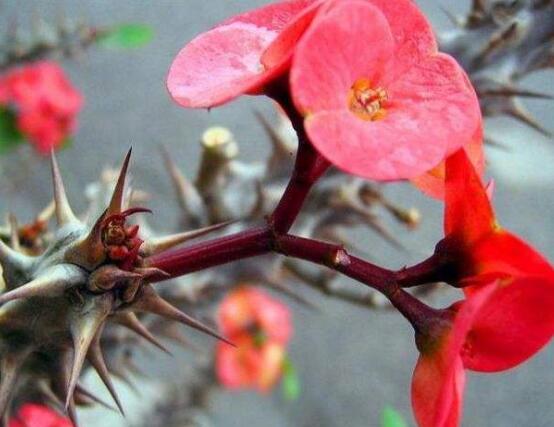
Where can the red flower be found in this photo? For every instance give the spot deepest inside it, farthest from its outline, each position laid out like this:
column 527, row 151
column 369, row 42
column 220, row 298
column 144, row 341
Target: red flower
column 45, row 103
column 239, row 56
column 32, row 415
column 475, row 244
column 261, row 328
column 499, row 326
column 379, row 100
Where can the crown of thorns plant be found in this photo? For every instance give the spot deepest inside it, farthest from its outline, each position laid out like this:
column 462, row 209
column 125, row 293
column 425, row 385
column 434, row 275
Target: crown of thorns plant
column 64, row 291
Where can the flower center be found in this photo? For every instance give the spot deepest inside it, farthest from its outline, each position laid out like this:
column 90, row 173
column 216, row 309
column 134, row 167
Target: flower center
column 367, row 102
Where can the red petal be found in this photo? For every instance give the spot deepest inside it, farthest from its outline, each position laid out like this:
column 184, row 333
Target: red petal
column 468, row 211
column 506, row 254
column 514, row 322
column 437, row 392
column 225, row 62
column 349, row 42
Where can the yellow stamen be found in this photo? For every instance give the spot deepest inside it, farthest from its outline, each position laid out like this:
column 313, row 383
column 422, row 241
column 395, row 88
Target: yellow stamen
column 367, row 102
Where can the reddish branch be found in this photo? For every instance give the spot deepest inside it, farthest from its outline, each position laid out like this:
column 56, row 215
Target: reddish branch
column 274, row 237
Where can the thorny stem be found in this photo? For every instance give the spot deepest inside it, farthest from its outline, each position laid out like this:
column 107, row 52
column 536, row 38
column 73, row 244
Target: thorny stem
column 274, row 237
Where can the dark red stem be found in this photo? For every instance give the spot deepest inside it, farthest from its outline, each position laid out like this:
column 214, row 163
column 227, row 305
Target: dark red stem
column 211, row 253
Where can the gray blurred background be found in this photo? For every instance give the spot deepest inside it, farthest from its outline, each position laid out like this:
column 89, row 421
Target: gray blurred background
column 352, row 362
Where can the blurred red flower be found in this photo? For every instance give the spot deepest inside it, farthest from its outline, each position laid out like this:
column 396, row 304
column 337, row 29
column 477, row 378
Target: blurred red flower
column 242, row 55
column 44, row 101
column 260, row 326
column 32, row 415
column 379, row 100
column 497, row 327
column 507, row 315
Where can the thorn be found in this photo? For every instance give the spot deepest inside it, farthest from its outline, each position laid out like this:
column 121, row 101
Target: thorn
column 287, row 291
column 118, row 195
column 496, row 41
column 156, row 245
column 497, row 144
column 187, row 195
column 147, row 273
column 451, row 17
column 89, row 252
column 64, row 214
column 84, row 326
column 53, row 282
column 172, row 332
column 9, row 370
column 519, row 113
column 149, row 301
column 281, row 150
column 86, row 393
column 131, row 321
column 11, row 257
column 514, row 91
column 72, row 412
column 47, row 213
column 14, row 233
column 96, row 359
column 106, row 277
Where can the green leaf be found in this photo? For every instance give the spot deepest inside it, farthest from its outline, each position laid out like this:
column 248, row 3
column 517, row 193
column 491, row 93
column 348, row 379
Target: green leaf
column 391, row 418
column 10, row 136
column 291, row 383
column 126, row 36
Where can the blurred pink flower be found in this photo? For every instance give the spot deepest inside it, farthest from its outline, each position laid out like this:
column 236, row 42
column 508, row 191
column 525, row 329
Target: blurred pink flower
column 260, row 327
column 32, row 415
column 44, row 101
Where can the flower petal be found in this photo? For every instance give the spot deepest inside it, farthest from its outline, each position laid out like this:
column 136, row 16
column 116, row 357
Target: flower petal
column 433, row 183
column 437, row 392
column 225, row 62
column 468, row 211
column 504, row 253
column 397, row 147
column 350, row 41
column 514, row 322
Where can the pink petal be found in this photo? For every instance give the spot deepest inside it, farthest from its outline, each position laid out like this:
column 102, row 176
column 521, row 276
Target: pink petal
column 439, row 89
column 433, row 182
column 397, row 147
column 225, row 62
column 350, row 41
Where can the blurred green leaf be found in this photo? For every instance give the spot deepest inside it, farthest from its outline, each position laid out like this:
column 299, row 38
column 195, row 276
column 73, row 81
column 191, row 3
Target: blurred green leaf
column 126, row 36
column 391, row 418
column 9, row 135
column 291, row 382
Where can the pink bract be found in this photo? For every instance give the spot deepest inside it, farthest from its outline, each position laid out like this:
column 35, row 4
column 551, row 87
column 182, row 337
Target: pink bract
column 239, row 56
column 379, row 100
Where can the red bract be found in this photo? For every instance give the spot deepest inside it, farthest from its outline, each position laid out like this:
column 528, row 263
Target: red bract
column 31, row 415
column 44, row 101
column 499, row 326
column 239, row 56
column 379, row 100
column 260, row 327
column 474, row 242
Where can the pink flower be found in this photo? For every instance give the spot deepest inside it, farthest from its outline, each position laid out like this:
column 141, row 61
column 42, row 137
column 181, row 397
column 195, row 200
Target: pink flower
column 379, row 101
column 260, row 327
column 32, row 415
column 242, row 55
column 44, row 101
